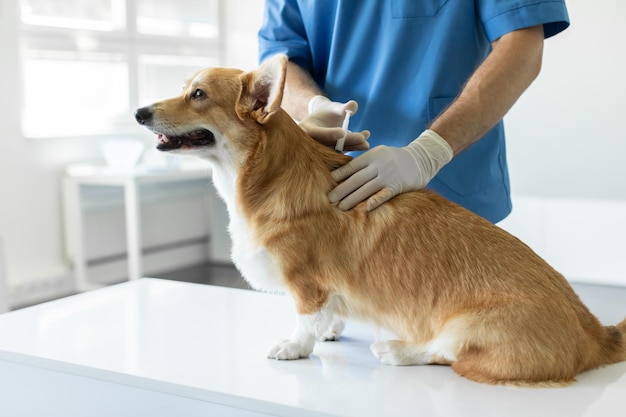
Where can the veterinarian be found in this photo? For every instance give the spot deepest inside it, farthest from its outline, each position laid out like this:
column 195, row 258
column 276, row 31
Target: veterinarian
column 442, row 71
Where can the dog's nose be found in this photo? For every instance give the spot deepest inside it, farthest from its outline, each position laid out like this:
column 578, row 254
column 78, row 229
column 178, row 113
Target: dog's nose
column 143, row 115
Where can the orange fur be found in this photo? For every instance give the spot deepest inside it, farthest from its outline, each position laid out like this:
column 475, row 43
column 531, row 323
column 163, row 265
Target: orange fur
column 455, row 288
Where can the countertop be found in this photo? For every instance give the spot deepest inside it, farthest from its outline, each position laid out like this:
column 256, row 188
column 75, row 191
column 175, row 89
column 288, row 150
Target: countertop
column 208, row 344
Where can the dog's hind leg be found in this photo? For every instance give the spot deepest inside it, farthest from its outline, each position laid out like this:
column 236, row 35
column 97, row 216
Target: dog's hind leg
column 521, row 345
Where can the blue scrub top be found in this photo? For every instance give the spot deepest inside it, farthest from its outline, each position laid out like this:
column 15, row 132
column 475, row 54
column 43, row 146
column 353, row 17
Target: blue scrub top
column 404, row 62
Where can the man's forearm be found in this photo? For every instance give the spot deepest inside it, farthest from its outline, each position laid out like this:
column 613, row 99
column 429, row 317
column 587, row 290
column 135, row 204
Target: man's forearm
column 299, row 89
column 491, row 91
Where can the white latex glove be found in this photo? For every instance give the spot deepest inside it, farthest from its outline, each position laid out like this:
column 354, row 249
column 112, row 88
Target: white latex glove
column 384, row 172
column 324, row 124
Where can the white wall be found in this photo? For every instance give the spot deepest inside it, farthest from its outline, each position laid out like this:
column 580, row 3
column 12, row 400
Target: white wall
column 566, row 136
column 566, row 147
column 242, row 19
column 566, row 139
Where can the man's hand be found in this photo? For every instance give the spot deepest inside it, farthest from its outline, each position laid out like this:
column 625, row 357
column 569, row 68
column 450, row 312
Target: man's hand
column 384, row 172
column 324, row 124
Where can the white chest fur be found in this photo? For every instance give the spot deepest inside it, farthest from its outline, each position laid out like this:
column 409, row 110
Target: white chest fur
column 252, row 260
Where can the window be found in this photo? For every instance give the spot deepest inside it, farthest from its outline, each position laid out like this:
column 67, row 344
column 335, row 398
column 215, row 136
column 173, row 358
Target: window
column 87, row 64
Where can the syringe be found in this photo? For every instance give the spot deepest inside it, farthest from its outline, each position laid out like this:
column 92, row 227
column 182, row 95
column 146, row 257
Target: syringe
column 344, row 126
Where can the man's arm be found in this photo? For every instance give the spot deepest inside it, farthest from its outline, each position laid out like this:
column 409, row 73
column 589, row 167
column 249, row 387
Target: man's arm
column 378, row 175
column 512, row 65
column 300, row 88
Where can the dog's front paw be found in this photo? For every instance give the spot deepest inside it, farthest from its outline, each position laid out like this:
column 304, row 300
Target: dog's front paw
column 287, row 349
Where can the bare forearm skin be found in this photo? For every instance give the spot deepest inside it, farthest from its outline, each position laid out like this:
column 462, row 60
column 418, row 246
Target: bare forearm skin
column 493, row 89
column 300, row 88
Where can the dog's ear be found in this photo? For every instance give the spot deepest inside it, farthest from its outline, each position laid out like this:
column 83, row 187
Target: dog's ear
column 262, row 90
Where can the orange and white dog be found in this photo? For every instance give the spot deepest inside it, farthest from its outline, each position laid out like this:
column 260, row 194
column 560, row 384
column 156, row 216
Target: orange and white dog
column 455, row 288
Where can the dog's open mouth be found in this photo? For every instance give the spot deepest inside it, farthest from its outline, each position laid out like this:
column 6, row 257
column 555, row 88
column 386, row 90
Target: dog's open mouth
column 193, row 139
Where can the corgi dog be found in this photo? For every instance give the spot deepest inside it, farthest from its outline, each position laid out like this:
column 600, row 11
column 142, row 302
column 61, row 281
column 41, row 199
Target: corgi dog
column 454, row 288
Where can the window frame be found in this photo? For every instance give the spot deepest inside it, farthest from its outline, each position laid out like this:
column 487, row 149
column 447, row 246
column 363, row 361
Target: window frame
column 124, row 40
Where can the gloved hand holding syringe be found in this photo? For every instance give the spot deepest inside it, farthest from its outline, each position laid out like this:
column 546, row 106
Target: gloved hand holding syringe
column 324, row 124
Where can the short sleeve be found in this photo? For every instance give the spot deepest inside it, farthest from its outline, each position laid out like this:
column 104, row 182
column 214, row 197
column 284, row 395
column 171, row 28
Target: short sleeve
column 283, row 32
column 503, row 16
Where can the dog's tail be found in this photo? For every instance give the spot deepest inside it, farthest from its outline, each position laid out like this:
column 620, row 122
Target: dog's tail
column 614, row 344
column 622, row 326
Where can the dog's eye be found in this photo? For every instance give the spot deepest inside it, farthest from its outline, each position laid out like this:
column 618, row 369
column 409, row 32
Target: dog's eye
column 198, row 94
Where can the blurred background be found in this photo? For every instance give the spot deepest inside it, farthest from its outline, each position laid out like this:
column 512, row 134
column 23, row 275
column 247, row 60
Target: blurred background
column 73, row 71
